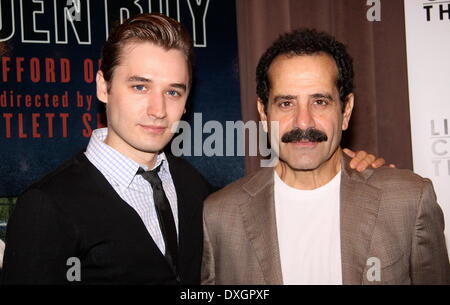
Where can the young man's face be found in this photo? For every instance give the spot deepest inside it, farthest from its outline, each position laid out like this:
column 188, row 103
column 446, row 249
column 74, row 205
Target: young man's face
column 148, row 93
column 303, row 95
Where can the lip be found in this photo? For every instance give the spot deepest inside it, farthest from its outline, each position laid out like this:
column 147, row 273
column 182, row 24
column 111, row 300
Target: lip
column 154, row 128
column 304, row 144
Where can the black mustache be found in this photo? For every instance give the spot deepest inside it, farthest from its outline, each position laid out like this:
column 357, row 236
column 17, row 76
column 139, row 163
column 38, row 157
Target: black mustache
column 310, row 134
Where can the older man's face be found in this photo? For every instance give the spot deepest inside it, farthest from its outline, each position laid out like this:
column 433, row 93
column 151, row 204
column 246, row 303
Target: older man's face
column 305, row 101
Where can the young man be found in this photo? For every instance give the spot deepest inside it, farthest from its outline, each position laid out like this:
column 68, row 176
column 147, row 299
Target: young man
column 123, row 211
column 98, row 207
column 312, row 220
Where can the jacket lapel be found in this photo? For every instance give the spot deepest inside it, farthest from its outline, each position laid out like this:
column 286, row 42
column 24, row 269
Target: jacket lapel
column 359, row 210
column 260, row 224
column 358, row 213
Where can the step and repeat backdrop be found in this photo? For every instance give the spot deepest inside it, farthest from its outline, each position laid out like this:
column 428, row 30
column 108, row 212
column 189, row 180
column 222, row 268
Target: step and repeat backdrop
column 428, row 51
column 47, row 81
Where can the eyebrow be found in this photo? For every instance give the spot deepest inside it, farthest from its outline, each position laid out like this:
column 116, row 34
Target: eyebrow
column 135, row 78
column 294, row 97
column 179, row 86
column 322, row 95
column 284, row 97
column 141, row 79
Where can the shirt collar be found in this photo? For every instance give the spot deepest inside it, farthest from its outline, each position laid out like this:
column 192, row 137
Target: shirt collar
column 114, row 164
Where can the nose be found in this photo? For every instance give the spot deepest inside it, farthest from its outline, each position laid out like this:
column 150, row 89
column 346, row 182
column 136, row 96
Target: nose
column 304, row 117
column 156, row 106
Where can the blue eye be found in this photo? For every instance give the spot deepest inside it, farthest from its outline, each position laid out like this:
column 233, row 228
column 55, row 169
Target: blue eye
column 139, row 87
column 173, row 93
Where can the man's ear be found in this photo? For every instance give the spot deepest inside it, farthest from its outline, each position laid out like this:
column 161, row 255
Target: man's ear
column 262, row 113
column 102, row 88
column 348, row 111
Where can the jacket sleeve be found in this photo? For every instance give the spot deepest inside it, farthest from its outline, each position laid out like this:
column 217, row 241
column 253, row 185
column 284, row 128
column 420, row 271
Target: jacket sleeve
column 208, row 267
column 39, row 242
column 429, row 257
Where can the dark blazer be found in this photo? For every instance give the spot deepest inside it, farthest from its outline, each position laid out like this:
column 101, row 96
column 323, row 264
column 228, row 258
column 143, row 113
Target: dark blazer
column 75, row 212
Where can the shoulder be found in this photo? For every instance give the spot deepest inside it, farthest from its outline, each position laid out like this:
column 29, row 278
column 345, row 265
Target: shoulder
column 384, row 178
column 393, row 179
column 71, row 180
column 184, row 172
column 232, row 190
column 241, row 190
column 47, row 198
column 68, row 175
column 177, row 164
column 402, row 192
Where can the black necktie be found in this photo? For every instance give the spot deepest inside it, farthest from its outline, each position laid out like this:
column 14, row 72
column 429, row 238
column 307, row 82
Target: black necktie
column 165, row 216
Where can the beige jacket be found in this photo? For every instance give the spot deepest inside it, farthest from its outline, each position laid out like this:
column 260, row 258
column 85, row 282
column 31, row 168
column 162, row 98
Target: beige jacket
column 386, row 213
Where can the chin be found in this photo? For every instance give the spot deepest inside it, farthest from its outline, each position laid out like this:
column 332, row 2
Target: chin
column 151, row 144
column 149, row 148
column 304, row 165
column 304, row 161
column 154, row 149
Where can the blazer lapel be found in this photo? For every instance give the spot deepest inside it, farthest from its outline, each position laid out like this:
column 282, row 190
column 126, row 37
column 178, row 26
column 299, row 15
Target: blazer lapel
column 358, row 213
column 260, row 224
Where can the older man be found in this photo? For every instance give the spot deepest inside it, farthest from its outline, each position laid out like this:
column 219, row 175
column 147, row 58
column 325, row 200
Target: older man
column 311, row 219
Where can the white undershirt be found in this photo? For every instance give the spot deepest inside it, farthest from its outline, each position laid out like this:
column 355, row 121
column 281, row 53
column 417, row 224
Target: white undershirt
column 308, row 229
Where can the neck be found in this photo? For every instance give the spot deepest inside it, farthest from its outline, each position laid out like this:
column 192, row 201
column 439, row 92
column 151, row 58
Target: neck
column 310, row 179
